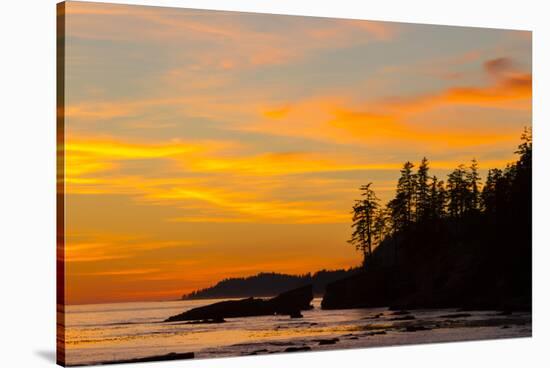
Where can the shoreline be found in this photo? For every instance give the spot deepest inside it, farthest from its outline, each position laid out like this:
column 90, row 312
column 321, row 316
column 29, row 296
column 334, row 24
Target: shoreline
column 446, row 326
column 318, row 330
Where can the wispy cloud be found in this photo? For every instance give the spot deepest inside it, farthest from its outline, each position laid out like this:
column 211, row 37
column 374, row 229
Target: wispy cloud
column 118, row 272
column 111, row 247
column 333, row 118
column 240, row 44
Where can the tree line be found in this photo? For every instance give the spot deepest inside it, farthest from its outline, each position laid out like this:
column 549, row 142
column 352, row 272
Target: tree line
column 422, row 199
column 268, row 284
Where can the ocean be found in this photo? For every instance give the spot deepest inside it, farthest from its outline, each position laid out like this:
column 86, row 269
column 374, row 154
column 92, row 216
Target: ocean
column 103, row 333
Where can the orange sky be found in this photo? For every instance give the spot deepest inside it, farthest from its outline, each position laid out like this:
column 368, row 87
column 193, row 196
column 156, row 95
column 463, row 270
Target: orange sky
column 202, row 145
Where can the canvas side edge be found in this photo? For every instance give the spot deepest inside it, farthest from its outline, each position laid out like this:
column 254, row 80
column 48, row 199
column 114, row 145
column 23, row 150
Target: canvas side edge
column 60, row 184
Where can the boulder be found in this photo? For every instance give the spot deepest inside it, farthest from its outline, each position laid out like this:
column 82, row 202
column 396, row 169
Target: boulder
column 260, row 351
column 456, row 315
column 293, row 349
column 206, row 321
column 416, row 328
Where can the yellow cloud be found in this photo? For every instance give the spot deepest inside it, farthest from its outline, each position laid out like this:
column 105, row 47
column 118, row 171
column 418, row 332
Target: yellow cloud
column 123, row 272
column 247, row 191
column 122, row 150
column 276, row 113
column 89, row 252
column 108, row 247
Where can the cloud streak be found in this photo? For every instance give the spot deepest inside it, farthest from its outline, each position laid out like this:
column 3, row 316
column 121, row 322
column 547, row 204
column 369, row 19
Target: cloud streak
column 386, row 119
column 240, row 43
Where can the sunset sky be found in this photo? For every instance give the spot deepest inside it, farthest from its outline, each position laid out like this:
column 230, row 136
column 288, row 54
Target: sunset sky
column 202, row 145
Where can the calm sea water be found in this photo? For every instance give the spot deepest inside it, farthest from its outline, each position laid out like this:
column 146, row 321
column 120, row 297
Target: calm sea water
column 110, row 332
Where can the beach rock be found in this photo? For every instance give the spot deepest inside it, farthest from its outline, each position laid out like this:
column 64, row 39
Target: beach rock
column 361, row 290
column 504, row 313
column 206, row 321
column 403, row 318
column 155, row 358
column 400, row 313
column 287, row 303
column 260, row 351
column 292, row 301
column 376, row 316
column 280, row 343
column 456, row 315
column 372, row 333
column 293, row 349
column 416, row 328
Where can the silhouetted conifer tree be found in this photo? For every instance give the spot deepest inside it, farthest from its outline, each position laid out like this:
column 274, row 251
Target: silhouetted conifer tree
column 473, row 183
column 382, row 223
column 489, row 194
column 423, row 203
column 437, row 198
column 364, row 214
column 458, row 192
column 403, row 205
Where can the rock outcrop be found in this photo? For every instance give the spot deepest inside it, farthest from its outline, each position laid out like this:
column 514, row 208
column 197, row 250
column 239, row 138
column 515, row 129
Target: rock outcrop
column 287, row 303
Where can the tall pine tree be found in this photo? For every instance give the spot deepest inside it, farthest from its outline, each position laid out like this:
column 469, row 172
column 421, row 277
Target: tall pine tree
column 458, row 192
column 403, row 205
column 364, row 214
column 422, row 191
column 473, row 183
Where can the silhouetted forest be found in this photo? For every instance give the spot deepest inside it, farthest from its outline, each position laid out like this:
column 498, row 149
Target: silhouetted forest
column 268, row 284
column 445, row 243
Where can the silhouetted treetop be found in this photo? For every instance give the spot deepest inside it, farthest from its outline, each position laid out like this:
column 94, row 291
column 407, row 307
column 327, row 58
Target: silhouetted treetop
column 421, row 199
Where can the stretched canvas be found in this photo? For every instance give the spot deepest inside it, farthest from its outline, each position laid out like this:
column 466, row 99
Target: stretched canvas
column 236, row 184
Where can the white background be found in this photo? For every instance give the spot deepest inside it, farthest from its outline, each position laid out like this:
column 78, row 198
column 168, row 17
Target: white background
column 27, row 181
